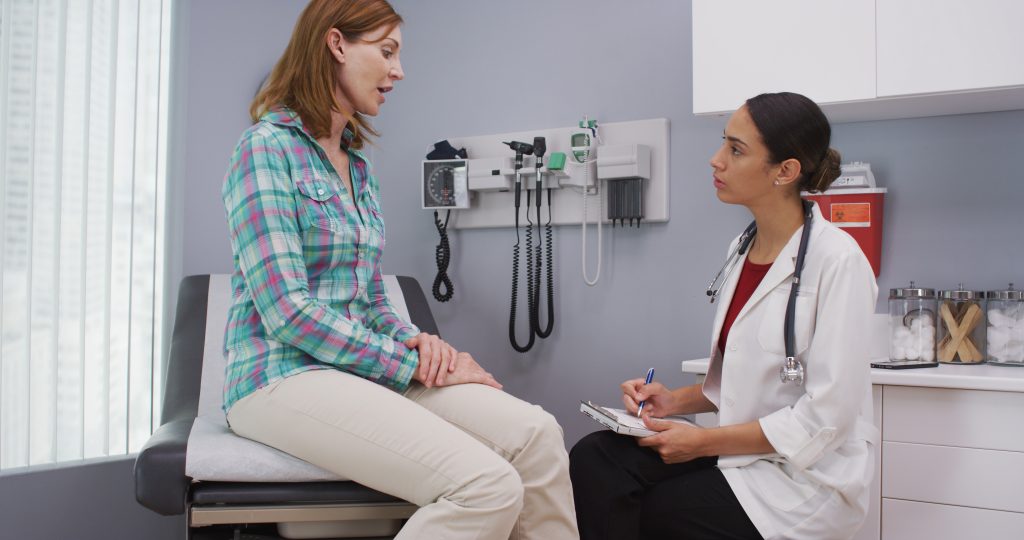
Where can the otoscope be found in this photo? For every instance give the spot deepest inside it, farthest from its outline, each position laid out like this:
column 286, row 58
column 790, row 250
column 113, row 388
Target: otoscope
column 521, row 149
column 539, row 147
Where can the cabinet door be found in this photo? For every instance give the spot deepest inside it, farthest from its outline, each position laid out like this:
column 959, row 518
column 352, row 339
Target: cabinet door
column 824, row 49
column 909, row 519
column 926, row 46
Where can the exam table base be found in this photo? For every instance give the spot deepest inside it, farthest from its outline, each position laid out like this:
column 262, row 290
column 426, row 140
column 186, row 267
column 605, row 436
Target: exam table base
column 310, row 521
column 203, row 516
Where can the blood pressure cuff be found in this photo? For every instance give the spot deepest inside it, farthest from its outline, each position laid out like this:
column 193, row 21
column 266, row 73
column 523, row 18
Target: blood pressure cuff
column 445, row 150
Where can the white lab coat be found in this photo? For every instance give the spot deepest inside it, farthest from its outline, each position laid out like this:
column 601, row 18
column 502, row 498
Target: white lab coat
column 817, row 484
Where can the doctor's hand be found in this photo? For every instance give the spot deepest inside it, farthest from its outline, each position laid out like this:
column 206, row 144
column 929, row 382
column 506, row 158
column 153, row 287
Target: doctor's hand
column 437, row 359
column 674, row 442
column 660, row 401
column 468, row 371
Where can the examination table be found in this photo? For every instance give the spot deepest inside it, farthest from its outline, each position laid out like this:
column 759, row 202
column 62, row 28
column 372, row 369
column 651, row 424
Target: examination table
column 194, row 464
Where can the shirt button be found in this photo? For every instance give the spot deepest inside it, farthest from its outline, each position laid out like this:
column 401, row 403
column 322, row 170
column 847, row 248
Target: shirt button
column 320, row 191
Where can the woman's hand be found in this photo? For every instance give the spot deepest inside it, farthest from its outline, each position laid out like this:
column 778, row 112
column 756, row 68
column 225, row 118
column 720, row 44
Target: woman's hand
column 437, row 359
column 468, row 371
column 660, row 401
column 674, row 442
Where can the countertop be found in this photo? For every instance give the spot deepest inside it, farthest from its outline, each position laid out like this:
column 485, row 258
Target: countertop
column 966, row 377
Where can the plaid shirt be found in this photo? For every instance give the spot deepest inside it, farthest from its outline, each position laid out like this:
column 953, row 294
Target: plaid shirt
column 307, row 289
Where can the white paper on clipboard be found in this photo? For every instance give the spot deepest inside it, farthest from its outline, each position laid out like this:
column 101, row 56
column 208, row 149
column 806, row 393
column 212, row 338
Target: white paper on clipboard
column 620, row 421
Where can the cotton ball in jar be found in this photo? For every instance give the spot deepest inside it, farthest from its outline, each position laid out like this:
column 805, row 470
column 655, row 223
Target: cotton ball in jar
column 997, row 337
column 997, row 319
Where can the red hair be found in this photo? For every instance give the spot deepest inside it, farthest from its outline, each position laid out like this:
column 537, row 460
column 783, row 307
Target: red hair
column 303, row 79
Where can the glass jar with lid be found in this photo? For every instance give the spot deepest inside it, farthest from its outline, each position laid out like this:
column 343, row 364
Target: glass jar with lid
column 1006, row 327
column 912, row 323
column 961, row 326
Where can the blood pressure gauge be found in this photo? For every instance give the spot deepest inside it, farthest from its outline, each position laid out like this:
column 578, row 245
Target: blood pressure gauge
column 445, row 184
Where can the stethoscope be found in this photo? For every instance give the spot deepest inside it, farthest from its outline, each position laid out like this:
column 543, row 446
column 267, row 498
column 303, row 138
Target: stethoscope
column 792, row 369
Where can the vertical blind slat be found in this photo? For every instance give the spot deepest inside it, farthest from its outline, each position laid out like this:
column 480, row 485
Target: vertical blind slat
column 96, row 256
column 144, row 243
column 160, row 232
column 120, row 260
column 42, row 304
column 19, row 62
column 5, row 32
column 70, row 312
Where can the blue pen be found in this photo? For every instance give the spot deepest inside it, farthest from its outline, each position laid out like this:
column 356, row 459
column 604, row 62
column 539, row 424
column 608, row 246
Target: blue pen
column 650, row 377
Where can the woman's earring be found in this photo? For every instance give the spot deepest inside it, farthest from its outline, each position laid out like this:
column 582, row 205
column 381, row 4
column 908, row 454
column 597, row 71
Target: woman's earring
column 775, row 182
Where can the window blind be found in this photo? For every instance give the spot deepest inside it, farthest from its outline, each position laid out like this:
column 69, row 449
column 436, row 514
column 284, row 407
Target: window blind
column 83, row 116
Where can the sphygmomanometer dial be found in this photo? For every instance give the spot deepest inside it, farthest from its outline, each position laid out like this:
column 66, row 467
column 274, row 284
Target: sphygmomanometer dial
column 441, row 186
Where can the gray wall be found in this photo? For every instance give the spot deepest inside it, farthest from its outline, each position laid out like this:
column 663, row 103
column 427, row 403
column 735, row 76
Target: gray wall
column 94, row 500
column 476, row 68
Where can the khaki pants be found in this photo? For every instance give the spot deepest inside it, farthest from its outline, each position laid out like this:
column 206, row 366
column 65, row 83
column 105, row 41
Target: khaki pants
column 479, row 463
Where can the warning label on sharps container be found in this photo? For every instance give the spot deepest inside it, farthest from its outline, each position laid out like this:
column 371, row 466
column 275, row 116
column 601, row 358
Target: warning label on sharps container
column 851, row 214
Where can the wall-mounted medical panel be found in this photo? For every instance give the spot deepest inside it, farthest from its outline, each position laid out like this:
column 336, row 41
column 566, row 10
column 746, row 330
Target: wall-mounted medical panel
column 623, row 150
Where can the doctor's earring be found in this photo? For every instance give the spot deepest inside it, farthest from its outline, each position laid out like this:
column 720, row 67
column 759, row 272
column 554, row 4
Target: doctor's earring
column 776, row 182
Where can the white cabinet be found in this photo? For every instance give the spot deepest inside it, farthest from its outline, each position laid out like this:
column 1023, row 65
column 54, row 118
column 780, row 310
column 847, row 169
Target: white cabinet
column 926, row 46
column 822, row 49
column 949, row 449
column 861, row 59
column 908, row 519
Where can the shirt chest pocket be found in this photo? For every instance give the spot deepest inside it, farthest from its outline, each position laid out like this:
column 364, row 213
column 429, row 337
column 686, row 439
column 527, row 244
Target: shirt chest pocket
column 319, row 207
column 772, row 328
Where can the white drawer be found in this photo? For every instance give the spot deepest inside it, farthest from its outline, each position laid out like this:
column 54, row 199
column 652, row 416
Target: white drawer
column 908, row 520
column 967, row 418
column 947, row 475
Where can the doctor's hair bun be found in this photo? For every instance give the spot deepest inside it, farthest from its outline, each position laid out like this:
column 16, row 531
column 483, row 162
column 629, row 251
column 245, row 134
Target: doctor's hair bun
column 827, row 171
column 793, row 127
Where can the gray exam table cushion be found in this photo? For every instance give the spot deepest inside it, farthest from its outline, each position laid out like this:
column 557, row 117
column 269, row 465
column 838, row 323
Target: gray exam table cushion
column 214, row 451
column 193, row 457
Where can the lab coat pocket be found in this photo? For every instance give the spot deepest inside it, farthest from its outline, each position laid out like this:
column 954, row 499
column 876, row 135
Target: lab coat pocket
column 772, row 327
column 782, row 489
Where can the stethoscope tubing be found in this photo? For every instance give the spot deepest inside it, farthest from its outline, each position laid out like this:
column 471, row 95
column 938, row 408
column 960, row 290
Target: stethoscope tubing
column 792, row 369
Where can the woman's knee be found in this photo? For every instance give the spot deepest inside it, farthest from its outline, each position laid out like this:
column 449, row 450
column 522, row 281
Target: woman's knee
column 498, row 488
column 539, row 431
column 547, row 426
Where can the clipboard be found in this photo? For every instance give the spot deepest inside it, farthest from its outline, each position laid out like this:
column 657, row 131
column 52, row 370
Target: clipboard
column 620, row 421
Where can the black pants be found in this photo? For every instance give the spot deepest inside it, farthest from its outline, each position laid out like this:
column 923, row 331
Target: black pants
column 624, row 492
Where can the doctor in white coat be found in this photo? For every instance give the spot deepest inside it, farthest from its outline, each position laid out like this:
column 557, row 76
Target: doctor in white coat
column 791, row 459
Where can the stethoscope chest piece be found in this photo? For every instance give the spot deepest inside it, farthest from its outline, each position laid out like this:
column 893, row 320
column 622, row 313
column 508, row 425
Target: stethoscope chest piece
column 792, row 370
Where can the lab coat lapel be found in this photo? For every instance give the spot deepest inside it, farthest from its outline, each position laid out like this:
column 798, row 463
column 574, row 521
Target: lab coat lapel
column 725, row 295
column 785, row 264
column 780, row 271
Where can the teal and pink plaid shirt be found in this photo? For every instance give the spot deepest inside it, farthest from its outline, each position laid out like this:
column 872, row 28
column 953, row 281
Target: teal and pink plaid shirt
column 307, row 289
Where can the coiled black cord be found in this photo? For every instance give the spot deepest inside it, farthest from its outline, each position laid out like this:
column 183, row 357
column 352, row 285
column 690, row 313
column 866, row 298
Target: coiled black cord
column 548, row 243
column 532, row 277
column 515, row 294
column 443, row 256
